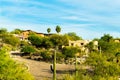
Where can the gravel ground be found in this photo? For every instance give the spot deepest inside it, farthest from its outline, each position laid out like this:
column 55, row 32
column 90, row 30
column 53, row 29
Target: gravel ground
column 41, row 70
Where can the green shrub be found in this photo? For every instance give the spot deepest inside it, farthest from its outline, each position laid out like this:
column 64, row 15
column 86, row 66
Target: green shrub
column 102, row 68
column 28, row 50
column 11, row 70
column 35, row 40
column 60, row 57
column 70, row 52
column 46, row 55
column 79, row 77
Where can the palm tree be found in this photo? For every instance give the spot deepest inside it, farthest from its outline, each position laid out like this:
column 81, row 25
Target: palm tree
column 48, row 30
column 58, row 29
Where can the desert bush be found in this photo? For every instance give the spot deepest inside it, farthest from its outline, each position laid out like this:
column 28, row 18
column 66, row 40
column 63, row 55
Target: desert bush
column 70, row 52
column 11, row 70
column 28, row 50
column 46, row 55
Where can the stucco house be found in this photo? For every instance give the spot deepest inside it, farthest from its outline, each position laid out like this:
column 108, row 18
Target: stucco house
column 25, row 34
column 82, row 44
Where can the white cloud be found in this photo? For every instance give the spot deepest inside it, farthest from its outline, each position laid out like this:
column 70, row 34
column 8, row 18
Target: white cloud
column 102, row 12
column 70, row 17
column 74, row 18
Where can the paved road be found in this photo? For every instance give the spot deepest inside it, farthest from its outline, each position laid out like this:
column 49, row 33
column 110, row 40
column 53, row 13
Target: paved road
column 41, row 70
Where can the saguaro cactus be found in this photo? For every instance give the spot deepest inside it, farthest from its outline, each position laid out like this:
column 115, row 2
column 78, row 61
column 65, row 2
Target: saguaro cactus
column 76, row 68
column 54, row 66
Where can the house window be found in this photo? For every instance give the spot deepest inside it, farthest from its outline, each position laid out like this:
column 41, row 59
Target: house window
column 72, row 44
column 82, row 44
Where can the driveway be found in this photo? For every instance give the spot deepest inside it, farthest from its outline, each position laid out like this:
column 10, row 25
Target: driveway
column 41, row 70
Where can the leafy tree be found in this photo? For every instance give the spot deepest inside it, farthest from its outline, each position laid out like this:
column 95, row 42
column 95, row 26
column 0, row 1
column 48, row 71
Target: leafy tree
column 12, row 40
column 70, row 52
column 35, row 40
column 90, row 46
column 17, row 31
column 46, row 55
column 106, row 38
column 58, row 29
column 65, row 40
column 108, row 46
column 47, row 43
column 3, row 30
column 95, row 39
column 23, row 43
column 28, row 50
column 48, row 30
column 60, row 57
column 73, row 36
column 102, row 67
column 59, row 40
column 11, row 70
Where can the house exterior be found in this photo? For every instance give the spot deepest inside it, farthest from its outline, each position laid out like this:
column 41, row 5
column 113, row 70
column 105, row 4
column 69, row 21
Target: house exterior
column 95, row 43
column 25, row 34
column 84, row 50
column 82, row 44
column 79, row 43
column 117, row 40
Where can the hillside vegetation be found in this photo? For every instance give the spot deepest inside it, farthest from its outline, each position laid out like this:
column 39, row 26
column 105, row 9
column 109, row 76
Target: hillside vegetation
column 103, row 62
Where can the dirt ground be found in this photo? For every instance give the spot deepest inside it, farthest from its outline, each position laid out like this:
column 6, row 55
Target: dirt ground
column 41, row 70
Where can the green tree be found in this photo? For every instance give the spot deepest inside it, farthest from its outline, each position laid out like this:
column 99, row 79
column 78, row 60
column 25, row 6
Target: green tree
column 47, row 43
column 10, row 39
column 70, row 52
column 17, row 31
column 107, row 38
column 58, row 29
column 35, row 40
column 24, row 43
column 11, row 70
column 73, row 36
column 59, row 40
column 48, row 30
column 102, row 67
column 28, row 50
column 3, row 30
column 46, row 55
column 108, row 46
column 90, row 46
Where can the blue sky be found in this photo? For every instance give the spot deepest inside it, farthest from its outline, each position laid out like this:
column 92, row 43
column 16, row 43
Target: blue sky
column 89, row 19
